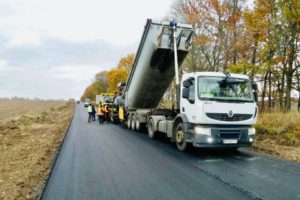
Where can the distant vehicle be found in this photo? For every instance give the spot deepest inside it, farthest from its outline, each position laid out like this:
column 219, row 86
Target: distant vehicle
column 87, row 103
column 78, row 102
column 213, row 109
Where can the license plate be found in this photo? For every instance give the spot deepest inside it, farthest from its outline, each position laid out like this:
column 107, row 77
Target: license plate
column 229, row 141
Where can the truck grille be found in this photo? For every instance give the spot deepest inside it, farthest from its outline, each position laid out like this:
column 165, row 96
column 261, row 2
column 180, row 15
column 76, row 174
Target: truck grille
column 229, row 133
column 225, row 117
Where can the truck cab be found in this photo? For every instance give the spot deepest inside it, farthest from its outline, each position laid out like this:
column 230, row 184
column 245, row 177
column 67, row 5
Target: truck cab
column 218, row 109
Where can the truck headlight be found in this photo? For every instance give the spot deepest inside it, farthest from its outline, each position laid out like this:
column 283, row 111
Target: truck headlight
column 251, row 131
column 202, row 130
column 210, row 140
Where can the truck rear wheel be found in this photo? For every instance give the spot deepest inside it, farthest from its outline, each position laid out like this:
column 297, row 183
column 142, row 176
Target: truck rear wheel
column 137, row 124
column 181, row 142
column 133, row 119
column 151, row 129
column 129, row 118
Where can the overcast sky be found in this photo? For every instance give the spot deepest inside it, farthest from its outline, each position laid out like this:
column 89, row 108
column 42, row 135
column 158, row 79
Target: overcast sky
column 53, row 48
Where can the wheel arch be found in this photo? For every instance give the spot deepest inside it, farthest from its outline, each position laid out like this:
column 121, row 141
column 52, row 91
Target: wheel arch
column 156, row 119
column 179, row 118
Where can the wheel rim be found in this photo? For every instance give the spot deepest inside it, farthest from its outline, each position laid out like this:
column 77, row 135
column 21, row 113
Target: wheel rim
column 150, row 129
column 137, row 124
column 180, row 138
column 129, row 121
column 132, row 123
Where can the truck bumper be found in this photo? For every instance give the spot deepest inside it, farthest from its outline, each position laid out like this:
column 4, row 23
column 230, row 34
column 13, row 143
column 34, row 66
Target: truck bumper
column 221, row 137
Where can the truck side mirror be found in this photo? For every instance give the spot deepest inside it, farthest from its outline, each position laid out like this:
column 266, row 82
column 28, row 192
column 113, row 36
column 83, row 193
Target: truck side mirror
column 192, row 101
column 255, row 96
column 254, row 86
column 185, row 93
column 186, row 83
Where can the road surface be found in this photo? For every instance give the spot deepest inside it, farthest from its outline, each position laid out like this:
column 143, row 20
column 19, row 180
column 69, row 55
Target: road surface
column 110, row 162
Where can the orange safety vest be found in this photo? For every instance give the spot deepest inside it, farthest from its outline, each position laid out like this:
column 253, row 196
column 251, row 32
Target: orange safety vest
column 100, row 111
column 105, row 109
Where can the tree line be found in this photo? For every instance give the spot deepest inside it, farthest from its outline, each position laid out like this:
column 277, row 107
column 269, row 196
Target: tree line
column 107, row 81
column 259, row 38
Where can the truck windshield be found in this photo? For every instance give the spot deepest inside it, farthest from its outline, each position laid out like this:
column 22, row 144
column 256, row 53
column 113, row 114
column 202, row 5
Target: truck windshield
column 224, row 89
column 107, row 99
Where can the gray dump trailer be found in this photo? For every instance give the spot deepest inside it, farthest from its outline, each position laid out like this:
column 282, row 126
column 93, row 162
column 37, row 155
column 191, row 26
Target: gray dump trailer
column 153, row 69
column 206, row 116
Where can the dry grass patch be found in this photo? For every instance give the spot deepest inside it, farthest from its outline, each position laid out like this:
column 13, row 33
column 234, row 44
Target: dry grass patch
column 27, row 147
column 10, row 108
column 279, row 134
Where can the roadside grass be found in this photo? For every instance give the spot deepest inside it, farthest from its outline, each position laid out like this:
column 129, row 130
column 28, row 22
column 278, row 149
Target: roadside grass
column 28, row 144
column 278, row 134
column 283, row 128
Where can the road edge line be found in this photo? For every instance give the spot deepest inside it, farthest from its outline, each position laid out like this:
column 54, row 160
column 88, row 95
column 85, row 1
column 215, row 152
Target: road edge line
column 57, row 154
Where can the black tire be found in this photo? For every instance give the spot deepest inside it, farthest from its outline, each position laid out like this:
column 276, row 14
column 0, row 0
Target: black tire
column 116, row 121
column 232, row 149
column 133, row 123
column 151, row 133
column 137, row 124
column 124, row 123
column 181, row 143
column 129, row 118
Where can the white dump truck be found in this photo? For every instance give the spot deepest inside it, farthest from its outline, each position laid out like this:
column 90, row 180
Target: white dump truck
column 214, row 109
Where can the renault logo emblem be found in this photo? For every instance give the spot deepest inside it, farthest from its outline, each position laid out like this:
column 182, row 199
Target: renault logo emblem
column 230, row 113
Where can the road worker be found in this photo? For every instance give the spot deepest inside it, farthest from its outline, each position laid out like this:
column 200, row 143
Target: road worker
column 94, row 113
column 100, row 113
column 90, row 112
column 106, row 113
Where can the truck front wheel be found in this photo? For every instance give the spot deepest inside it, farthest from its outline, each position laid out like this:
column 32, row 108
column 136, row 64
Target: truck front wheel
column 181, row 142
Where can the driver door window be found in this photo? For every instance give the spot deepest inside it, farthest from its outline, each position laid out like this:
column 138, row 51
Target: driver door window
column 192, row 92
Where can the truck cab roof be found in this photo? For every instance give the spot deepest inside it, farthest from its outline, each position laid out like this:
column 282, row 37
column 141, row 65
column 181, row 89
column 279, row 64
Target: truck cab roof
column 167, row 23
column 218, row 74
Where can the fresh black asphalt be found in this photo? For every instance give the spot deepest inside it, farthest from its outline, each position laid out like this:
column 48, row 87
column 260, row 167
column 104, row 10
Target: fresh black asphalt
column 111, row 162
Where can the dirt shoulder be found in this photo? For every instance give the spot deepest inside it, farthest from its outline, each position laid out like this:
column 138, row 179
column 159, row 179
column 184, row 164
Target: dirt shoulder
column 286, row 152
column 278, row 134
column 28, row 145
